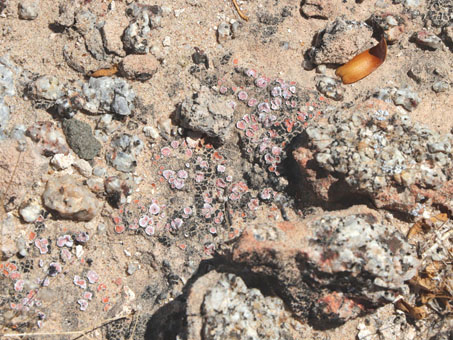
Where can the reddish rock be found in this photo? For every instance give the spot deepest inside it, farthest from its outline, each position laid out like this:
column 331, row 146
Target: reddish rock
column 329, row 268
column 139, row 66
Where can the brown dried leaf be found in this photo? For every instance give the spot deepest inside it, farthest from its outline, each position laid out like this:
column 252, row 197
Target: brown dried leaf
column 104, row 72
column 415, row 312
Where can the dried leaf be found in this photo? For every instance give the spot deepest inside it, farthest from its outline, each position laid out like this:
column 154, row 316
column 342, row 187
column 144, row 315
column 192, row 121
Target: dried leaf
column 415, row 312
column 104, row 72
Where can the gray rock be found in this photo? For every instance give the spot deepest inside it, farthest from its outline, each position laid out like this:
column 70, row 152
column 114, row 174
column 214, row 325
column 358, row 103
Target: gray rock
column 221, row 306
column 70, row 199
column 125, row 149
column 339, row 41
column 28, row 9
column 428, row 39
column 86, row 25
column 121, row 161
column 440, row 86
column 330, row 87
column 80, row 138
column 407, row 98
column 207, row 113
column 47, row 88
column 106, row 94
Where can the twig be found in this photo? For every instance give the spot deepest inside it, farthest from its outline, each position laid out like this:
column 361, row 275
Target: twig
column 241, row 14
column 80, row 333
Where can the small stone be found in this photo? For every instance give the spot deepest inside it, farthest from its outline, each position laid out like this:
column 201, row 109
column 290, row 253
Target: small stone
column 7, row 248
column 406, row 98
column 428, row 39
column 61, row 161
column 30, row 212
column 440, row 86
column 111, row 34
column 151, row 132
column 122, row 161
column 70, row 199
column 50, row 140
column 80, row 138
column 330, row 87
column 47, row 88
column 223, row 32
column 139, row 67
column 28, row 9
column 166, row 42
column 131, row 268
column 83, row 167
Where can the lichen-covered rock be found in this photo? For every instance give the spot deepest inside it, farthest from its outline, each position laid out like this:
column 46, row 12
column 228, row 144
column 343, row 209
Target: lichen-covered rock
column 136, row 37
column 80, row 138
column 70, row 199
column 207, row 113
column 107, row 94
column 331, row 267
column 220, row 306
column 380, row 155
column 340, row 41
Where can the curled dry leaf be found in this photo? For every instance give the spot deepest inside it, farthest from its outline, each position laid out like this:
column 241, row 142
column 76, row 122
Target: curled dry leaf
column 363, row 64
column 104, row 72
column 415, row 312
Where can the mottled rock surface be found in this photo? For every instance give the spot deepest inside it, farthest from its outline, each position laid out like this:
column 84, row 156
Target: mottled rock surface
column 70, row 199
column 329, row 268
column 379, row 154
column 80, row 138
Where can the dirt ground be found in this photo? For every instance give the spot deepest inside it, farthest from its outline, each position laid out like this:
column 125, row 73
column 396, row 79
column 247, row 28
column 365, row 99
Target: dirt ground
column 134, row 269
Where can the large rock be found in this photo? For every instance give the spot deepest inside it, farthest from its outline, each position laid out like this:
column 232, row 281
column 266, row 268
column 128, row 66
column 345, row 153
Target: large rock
column 207, row 113
column 332, row 267
column 377, row 155
column 70, row 199
column 220, row 306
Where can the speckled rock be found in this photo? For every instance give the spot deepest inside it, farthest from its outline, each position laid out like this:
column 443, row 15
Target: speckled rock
column 28, row 9
column 50, row 140
column 381, row 155
column 427, row 39
column 125, row 149
column 220, row 306
column 139, row 66
column 47, row 88
column 331, row 267
column 340, row 41
column 330, row 87
column 136, row 37
column 70, row 199
column 80, row 138
column 208, row 114
column 107, row 94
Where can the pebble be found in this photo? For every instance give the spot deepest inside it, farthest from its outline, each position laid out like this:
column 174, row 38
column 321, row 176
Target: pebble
column 440, row 86
column 131, row 268
column 223, row 32
column 30, row 212
column 80, row 138
column 28, row 9
column 61, row 161
column 428, row 39
column 139, row 66
column 83, row 167
column 47, row 88
column 50, row 140
column 70, row 199
column 166, row 42
column 151, row 132
column 330, row 87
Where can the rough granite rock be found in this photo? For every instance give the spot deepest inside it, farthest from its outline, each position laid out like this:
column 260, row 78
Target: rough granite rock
column 220, row 306
column 70, row 199
column 332, row 267
column 80, row 138
column 207, row 113
column 340, row 41
column 379, row 155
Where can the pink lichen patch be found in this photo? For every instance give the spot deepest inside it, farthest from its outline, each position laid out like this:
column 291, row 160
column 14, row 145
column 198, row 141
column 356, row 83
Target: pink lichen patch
column 242, row 95
column 188, row 211
column 229, row 178
column 182, row 246
column 276, row 91
column 154, row 209
column 174, row 144
column 268, row 158
column 14, row 275
column 223, row 89
column 119, row 229
column 168, row 174
column 264, row 107
column 149, row 230
column 19, row 285
column 143, row 221
column 241, row 125
column 276, row 103
column 82, row 237
column 133, row 226
column 220, row 183
column 213, row 230
column 178, row 183
column 232, row 104
column 54, row 269
column 266, row 194
column 182, row 174
column 165, row 151
column 253, row 204
column 87, row 295
column 292, row 89
column 252, row 102
column 65, row 241
column 251, row 73
column 92, row 276
column 101, row 286
column 221, row 168
column 261, row 82
column 83, row 304
column 65, row 255
column 209, row 249
column 177, row 223
column 43, row 245
column 79, row 282
column 249, row 133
